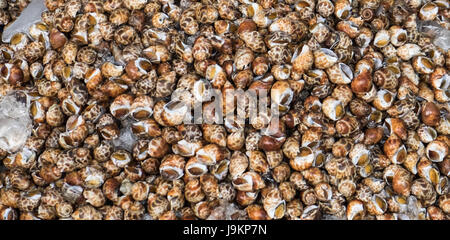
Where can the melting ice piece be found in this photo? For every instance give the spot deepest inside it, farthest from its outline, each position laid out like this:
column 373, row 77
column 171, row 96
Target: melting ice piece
column 15, row 122
column 30, row 15
column 440, row 35
column 126, row 139
column 226, row 211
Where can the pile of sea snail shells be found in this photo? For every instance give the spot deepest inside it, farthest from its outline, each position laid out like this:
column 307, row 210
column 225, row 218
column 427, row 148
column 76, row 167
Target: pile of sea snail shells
column 363, row 96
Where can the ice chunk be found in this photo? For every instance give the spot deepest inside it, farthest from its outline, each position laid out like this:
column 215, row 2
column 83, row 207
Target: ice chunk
column 15, row 121
column 30, row 15
column 147, row 217
column 440, row 35
column 126, row 139
column 227, row 211
column 414, row 208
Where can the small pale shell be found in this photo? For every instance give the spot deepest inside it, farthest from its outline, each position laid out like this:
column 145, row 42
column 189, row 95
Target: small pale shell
column 195, row 168
column 186, row 148
column 174, row 112
column 281, row 93
column 274, row 205
column 428, row 11
column 377, row 205
column 436, row 151
column 383, row 100
column 249, row 181
column 342, row 9
column 302, row 59
column 359, row 155
column 423, row 65
column 426, row 133
column 324, row 58
column 381, row 39
column 303, row 160
column 172, row 167
column 408, row 51
column 333, row 108
column 340, row 73
column 398, row 35
column 355, row 210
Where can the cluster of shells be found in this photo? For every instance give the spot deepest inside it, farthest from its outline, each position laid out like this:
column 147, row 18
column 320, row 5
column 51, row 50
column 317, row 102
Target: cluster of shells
column 363, row 95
